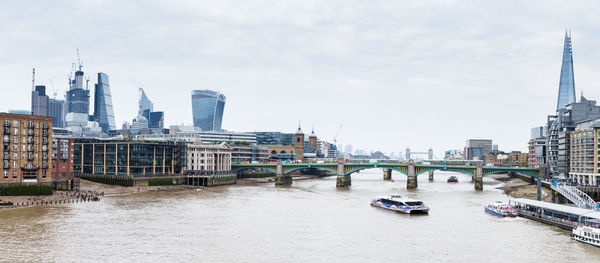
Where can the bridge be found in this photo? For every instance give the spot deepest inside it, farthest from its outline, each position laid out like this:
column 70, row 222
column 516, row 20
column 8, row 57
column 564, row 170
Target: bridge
column 410, row 169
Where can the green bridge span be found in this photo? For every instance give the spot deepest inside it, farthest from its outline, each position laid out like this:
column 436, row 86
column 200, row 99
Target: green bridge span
column 410, row 169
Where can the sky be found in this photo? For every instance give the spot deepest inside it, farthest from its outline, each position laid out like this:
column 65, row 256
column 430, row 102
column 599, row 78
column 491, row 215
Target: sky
column 393, row 74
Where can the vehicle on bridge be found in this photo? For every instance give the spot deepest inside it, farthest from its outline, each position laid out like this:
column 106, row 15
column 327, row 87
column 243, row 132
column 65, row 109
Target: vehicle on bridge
column 501, row 209
column 401, row 205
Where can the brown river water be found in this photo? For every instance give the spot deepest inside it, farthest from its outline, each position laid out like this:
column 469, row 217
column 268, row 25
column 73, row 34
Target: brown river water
column 311, row 221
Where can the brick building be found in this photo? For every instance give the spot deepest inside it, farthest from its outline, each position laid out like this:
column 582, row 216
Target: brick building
column 26, row 149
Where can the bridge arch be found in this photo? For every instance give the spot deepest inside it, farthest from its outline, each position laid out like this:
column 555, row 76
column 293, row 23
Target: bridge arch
column 446, row 169
column 307, row 167
column 246, row 168
column 372, row 167
column 508, row 171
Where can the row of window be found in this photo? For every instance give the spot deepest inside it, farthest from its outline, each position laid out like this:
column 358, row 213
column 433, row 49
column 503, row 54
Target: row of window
column 14, row 174
column 26, row 124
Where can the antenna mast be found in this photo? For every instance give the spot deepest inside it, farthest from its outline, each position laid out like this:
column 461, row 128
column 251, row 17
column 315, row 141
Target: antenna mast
column 33, row 80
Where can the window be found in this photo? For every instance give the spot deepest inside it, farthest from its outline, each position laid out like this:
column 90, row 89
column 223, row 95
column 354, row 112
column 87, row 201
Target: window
column 15, row 124
column 14, row 174
column 14, row 164
column 15, row 156
column 5, row 174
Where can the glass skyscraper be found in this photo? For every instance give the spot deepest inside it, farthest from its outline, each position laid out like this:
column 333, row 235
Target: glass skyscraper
column 146, row 106
column 103, row 109
column 566, row 89
column 207, row 109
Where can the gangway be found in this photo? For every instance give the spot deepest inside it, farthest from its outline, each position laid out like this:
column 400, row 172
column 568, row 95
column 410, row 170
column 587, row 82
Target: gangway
column 575, row 195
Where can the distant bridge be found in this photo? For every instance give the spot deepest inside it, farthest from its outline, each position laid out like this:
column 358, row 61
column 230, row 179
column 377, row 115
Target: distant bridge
column 410, row 169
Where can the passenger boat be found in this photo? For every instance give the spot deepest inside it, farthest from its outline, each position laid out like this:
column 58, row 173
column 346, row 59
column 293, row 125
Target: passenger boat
column 586, row 234
column 501, row 209
column 452, row 179
column 402, row 205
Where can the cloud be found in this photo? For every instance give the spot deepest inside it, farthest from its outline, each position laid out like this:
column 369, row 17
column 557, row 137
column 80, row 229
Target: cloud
column 397, row 73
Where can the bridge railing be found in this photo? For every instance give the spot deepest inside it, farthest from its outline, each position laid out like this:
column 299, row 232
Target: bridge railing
column 575, row 195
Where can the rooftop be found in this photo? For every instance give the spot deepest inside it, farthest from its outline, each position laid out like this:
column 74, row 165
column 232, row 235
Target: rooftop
column 560, row 208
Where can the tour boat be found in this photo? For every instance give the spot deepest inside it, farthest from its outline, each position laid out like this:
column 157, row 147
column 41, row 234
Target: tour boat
column 586, row 234
column 501, row 209
column 452, row 179
column 402, row 205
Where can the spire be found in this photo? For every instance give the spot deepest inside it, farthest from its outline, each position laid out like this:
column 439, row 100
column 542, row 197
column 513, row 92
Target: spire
column 566, row 89
column 299, row 127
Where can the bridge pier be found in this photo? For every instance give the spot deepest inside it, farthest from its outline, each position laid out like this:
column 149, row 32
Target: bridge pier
column 431, row 176
column 387, row 174
column 280, row 178
column 411, row 182
column 478, row 179
column 343, row 180
column 539, row 189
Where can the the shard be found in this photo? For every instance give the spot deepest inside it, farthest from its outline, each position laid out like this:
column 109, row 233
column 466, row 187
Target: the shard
column 566, row 89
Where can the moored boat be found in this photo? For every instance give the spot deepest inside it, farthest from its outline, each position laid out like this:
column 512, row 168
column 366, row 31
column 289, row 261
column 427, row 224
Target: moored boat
column 586, row 234
column 501, row 209
column 402, row 205
column 452, row 179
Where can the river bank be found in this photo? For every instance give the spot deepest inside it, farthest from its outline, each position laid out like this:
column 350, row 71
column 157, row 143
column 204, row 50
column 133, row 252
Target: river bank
column 89, row 191
column 519, row 188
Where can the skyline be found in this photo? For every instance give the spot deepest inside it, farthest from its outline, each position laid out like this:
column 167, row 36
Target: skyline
column 321, row 64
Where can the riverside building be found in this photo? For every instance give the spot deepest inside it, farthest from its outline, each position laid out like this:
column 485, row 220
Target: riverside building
column 584, row 157
column 208, row 157
column 95, row 157
column 26, row 149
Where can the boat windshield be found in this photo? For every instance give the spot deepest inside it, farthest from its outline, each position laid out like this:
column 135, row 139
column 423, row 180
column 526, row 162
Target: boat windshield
column 414, row 203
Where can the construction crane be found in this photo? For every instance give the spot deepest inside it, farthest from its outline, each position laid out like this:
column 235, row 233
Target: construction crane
column 79, row 60
column 337, row 133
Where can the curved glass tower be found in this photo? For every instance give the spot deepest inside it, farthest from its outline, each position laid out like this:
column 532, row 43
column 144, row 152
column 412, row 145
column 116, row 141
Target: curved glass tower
column 207, row 109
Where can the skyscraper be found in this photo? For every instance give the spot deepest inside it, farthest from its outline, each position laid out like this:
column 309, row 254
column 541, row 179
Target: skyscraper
column 103, row 109
column 207, row 109
column 566, row 89
column 157, row 120
column 146, row 106
column 39, row 101
column 56, row 111
column 78, row 102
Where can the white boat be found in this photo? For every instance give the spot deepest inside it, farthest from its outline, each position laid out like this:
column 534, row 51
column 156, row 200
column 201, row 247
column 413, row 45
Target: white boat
column 586, row 234
column 501, row 209
column 399, row 204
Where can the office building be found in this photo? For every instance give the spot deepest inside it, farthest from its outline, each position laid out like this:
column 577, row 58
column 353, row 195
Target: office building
column 39, row 101
column 103, row 109
column 26, row 149
column 145, row 105
column 195, row 134
column 157, row 120
column 95, row 157
column 477, row 149
column 56, row 110
column 244, row 153
column 537, row 147
column 207, row 109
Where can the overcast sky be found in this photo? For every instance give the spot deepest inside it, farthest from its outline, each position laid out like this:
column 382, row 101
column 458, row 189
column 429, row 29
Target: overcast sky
column 397, row 74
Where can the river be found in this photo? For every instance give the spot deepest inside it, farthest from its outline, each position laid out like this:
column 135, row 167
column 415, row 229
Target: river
column 311, row 221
